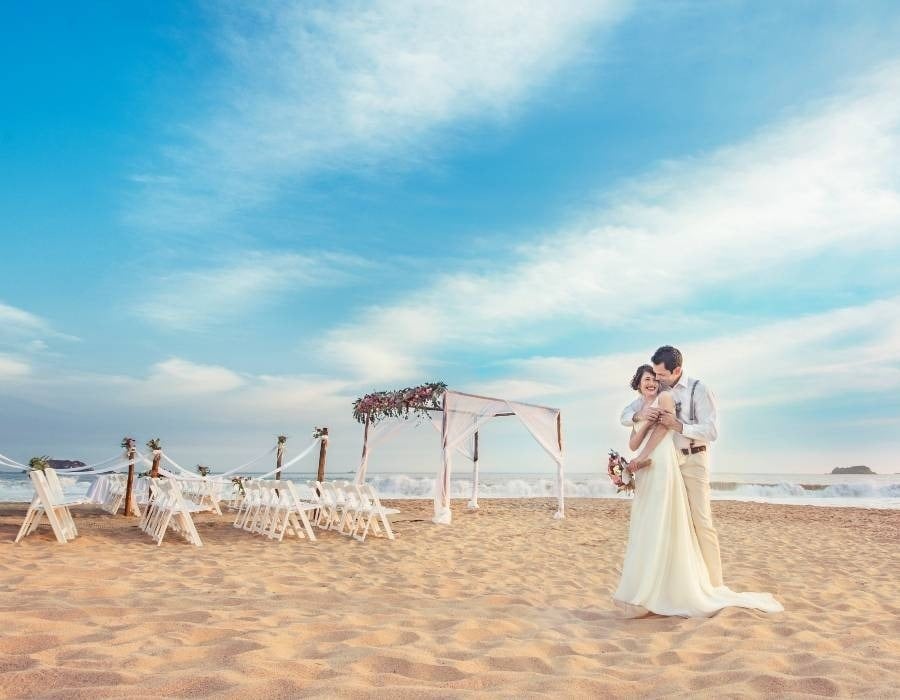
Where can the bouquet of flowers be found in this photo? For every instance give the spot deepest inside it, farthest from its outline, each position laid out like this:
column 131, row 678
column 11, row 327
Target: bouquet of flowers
column 619, row 473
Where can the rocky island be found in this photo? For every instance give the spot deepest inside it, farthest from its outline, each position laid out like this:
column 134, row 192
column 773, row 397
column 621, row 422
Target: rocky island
column 852, row 470
column 65, row 464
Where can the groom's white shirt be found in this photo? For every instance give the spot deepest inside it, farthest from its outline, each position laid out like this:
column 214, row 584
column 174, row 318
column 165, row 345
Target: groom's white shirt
column 701, row 431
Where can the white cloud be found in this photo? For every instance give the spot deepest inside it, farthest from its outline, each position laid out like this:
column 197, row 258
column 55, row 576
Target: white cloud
column 770, row 374
column 176, row 376
column 825, row 181
column 354, row 85
column 195, row 299
column 841, row 352
column 13, row 368
column 204, row 412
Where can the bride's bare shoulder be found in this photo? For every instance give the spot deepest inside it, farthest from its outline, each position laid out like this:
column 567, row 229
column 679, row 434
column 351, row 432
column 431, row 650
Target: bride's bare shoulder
column 666, row 400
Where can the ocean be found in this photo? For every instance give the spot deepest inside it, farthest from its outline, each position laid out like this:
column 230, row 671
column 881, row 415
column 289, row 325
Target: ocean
column 859, row 491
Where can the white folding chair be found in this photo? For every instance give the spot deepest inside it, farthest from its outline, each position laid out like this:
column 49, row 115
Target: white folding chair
column 350, row 508
column 332, row 500
column 318, row 497
column 202, row 491
column 286, row 512
column 371, row 512
column 46, row 503
column 170, row 509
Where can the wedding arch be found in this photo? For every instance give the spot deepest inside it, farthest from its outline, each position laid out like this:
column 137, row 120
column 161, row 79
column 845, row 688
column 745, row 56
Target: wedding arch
column 461, row 416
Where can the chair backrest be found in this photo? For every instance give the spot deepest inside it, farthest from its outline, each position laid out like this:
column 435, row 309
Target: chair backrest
column 42, row 488
column 329, row 493
column 54, row 484
column 307, row 492
column 352, row 495
column 371, row 494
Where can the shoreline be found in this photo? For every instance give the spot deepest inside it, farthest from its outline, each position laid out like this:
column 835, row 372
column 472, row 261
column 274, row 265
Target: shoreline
column 505, row 601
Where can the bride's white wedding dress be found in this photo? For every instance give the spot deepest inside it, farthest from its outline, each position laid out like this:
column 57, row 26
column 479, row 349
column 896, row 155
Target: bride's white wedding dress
column 664, row 571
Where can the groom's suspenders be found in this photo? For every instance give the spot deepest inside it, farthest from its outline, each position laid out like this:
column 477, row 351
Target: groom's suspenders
column 693, row 405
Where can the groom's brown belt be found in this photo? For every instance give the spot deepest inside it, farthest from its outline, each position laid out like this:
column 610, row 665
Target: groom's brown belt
column 693, row 450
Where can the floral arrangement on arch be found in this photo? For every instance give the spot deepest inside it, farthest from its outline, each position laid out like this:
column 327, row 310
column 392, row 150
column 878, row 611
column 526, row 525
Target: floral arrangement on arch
column 400, row 403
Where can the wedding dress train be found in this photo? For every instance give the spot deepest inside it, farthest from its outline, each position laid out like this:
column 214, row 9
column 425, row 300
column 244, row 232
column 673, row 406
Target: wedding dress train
column 664, row 571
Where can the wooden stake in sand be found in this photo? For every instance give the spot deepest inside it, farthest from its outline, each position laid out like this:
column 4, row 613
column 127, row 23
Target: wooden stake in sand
column 128, row 444
column 279, row 456
column 323, row 450
column 156, row 446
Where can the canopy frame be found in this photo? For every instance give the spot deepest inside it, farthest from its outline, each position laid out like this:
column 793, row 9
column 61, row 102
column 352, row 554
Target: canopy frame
column 543, row 422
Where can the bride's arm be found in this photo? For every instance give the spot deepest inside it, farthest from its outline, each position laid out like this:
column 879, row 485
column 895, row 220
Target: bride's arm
column 666, row 403
column 637, row 436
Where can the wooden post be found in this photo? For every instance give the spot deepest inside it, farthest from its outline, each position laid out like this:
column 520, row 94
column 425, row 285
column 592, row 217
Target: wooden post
column 129, row 485
column 559, row 441
column 323, row 450
column 474, row 502
column 279, row 456
column 365, row 451
column 559, row 431
column 154, row 469
column 445, row 458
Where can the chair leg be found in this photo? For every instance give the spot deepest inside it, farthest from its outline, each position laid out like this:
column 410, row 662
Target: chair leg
column 32, row 516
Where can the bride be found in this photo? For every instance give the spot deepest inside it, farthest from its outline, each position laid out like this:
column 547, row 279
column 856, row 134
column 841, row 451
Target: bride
column 664, row 571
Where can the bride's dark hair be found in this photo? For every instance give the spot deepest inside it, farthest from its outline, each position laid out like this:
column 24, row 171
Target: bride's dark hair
column 636, row 379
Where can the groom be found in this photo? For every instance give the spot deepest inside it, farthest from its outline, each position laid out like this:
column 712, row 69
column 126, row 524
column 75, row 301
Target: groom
column 694, row 425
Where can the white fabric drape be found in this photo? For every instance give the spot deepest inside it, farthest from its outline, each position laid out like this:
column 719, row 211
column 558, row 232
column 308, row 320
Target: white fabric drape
column 544, row 425
column 378, row 433
column 122, row 456
column 293, row 461
column 464, row 414
column 466, row 449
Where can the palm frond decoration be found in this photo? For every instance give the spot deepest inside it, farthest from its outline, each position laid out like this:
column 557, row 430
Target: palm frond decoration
column 203, row 470
column 154, row 444
column 282, row 439
column 39, row 463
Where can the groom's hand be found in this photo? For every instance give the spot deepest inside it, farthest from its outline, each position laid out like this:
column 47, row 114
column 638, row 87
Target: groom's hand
column 650, row 414
column 671, row 422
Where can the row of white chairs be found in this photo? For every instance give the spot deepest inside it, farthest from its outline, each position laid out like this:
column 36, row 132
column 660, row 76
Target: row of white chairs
column 108, row 492
column 273, row 509
column 50, row 502
column 169, row 508
column 352, row 509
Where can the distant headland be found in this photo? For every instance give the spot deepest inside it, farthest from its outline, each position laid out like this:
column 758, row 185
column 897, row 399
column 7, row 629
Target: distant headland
column 65, row 464
column 852, row 470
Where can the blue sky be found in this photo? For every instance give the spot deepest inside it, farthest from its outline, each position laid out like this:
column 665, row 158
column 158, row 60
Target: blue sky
column 222, row 224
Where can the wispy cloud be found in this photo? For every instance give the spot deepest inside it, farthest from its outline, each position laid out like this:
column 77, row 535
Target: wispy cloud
column 823, row 181
column 26, row 330
column 14, row 319
column 199, row 298
column 350, row 85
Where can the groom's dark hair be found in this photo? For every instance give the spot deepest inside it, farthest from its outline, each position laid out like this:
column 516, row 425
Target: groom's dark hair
column 668, row 356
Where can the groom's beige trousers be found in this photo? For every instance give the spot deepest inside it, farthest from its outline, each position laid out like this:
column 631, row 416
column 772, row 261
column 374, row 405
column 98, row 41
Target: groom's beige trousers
column 695, row 470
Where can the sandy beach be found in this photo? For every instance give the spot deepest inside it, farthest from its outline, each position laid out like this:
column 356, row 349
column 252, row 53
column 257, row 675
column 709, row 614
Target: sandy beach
column 504, row 602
